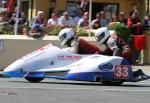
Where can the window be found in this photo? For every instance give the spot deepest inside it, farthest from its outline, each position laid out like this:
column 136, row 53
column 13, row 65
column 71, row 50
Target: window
column 72, row 8
column 25, row 6
column 109, row 8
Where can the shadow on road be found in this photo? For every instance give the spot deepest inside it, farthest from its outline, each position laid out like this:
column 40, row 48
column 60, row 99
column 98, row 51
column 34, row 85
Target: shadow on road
column 84, row 83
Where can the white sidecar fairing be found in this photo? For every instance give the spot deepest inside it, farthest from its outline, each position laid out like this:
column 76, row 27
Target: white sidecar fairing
column 53, row 62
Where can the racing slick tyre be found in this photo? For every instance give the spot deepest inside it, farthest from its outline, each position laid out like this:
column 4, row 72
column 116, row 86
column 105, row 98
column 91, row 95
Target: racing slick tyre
column 33, row 79
column 112, row 83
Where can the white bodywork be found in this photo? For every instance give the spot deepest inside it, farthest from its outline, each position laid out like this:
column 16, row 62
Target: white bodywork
column 50, row 59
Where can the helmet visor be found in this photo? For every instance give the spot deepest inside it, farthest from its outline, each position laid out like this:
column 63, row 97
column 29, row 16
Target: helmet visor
column 62, row 38
column 100, row 37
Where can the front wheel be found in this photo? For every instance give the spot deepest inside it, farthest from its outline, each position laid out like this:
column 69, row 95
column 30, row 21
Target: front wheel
column 33, row 79
column 112, row 83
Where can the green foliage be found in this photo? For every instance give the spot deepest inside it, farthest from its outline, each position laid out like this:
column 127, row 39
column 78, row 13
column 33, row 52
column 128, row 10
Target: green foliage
column 80, row 31
column 121, row 30
column 52, row 30
column 84, row 32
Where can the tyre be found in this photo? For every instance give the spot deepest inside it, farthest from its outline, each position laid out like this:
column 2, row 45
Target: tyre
column 33, row 79
column 112, row 83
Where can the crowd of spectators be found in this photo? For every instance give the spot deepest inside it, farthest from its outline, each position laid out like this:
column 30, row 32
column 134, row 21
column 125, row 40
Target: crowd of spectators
column 81, row 20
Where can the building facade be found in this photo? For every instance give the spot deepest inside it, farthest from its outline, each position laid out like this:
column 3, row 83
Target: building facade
column 32, row 6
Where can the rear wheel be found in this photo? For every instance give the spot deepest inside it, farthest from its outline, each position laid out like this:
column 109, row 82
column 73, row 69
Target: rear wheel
column 112, row 83
column 33, row 79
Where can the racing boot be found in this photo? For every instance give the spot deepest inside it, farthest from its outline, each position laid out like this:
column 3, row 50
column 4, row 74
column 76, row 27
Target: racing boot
column 139, row 75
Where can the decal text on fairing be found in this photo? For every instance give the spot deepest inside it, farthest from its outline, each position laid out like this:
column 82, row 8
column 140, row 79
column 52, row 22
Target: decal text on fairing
column 69, row 57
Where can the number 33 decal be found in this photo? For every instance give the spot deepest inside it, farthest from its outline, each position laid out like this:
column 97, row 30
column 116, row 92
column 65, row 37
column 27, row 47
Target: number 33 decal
column 121, row 72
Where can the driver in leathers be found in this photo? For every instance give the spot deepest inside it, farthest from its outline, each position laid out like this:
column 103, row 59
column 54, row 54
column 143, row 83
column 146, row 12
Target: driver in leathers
column 76, row 45
column 116, row 46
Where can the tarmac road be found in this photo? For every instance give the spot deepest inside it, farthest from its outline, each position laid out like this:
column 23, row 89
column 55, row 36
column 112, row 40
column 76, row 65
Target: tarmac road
column 18, row 90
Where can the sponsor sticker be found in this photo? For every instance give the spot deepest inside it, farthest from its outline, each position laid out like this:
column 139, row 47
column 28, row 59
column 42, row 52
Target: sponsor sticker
column 68, row 57
column 105, row 66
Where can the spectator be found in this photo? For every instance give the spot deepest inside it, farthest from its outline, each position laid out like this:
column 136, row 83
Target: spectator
column 23, row 20
column 95, row 24
column 84, row 21
column 12, row 20
column 114, row 17
column 53, row 21
column 104, row 20
column 66, row 21
column 78, row 17
column 3, row 16
column 23, row 23
column 4, row 22
column 39, row 19
column 147, row 22
column 3, row 6
column 3, row 11
column 122, row 18
column 134, row 23
column 59, row 15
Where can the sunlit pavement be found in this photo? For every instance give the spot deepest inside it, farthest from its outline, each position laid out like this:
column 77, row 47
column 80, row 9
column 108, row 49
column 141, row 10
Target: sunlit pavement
column 18, row 90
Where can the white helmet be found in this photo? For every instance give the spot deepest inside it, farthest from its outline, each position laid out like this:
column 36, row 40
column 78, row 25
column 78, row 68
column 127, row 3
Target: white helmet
column 65, row 35
column 102, row 34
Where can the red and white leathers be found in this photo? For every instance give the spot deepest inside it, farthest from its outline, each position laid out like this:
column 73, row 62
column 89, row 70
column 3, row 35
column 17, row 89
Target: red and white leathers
column 80, row 46
column 117, row 47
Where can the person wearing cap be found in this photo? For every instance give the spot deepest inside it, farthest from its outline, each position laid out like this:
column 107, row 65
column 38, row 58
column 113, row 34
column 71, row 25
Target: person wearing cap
column 68, row 38
column 12, row 20
column 66, row 21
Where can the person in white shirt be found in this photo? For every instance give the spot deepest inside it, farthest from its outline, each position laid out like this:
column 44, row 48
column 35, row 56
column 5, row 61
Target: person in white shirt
column 3, row 6
column 84, row 21
column 95, row 24
column 53, row 21
column 66, row 21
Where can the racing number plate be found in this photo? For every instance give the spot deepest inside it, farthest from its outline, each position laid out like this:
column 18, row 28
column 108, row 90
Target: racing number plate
column 121, row 72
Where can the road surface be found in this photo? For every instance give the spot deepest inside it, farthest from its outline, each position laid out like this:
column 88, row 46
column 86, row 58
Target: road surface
column 18, row 90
